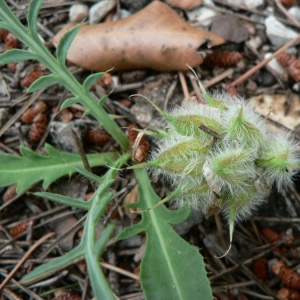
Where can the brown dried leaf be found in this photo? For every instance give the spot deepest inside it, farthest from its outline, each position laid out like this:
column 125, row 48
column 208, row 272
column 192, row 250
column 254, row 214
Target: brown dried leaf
column 185, row 4
column 131, row 197
column 155, row 37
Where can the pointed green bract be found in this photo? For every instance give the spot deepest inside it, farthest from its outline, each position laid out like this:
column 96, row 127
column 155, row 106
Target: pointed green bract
column 15, row 56
column 69, row 102
column 43, row 82
column 65, row 44
column 92, row 79
column 33, row 10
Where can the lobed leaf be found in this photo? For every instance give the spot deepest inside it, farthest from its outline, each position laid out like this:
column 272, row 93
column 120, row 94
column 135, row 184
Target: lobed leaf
column 15, row 56
column 31, row 167
column 171, row 268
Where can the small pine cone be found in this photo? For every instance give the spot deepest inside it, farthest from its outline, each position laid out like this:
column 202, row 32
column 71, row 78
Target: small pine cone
column 66, row 295
column 141, row 150
column 3, row 34
column 288, row 3
column 21, row 228
column 11, row 42
column 260, row 268
column 64, row 115
column 223, row 58
column 38, row 128
column 288, row 60
column 270, row 235
column 30, row 113
column 291, row 63
column 289, row 277
column 10, row 193
column 97, row 137
column 288, row 294
column 32, row 76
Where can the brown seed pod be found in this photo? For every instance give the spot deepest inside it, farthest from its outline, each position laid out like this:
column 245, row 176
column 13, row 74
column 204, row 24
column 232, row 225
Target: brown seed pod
column 35, row 74
column 288, row 3
column 138, row 144
column 12, row 67
column 290, row 63
column 21, row 228
column 3, row 34
column 38, row 128
column 270, row 235
column 288, row 294
column 223, row 58
column 30, row 113
column 260, row 268
column 97, row 136
column 10, row 193
column 66, row 295
column 11, row 42
column 289, row 277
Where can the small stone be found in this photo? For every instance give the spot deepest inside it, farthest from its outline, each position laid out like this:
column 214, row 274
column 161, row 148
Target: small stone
column 278, row 33
column 295, row 12
column 277, row 68
column 99, row 10
column 78, row 13
column 229, row 28
column 185, row 4
column 202, row 14
column 253, row 3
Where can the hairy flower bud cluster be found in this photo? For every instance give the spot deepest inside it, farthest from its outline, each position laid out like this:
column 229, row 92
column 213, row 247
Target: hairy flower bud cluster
column 221, row 156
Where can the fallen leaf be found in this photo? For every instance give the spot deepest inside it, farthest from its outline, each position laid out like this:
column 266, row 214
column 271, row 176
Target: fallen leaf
column 131, row 197
column 274, row 107
column 155, row 37
column 185, row 4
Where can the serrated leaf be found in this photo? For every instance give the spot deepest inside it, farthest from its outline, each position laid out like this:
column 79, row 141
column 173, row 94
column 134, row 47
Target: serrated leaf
column 31, row 168
column 171, row 268
column 65, row 43
column 81, row 204
column 15, row 56
column 69, row 102
column 43, row 82
column 32, row 16
column 92, row 79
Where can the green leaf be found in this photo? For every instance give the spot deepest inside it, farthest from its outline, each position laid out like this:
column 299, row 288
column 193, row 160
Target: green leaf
column 102, row 241
column 92, row 79
column 15, row 56
column 65, row 200
column 32, row 16
column 88, row 174
column 43, row 82
column 171, row 268
column 65, row 43
column 54, row 265
column 69, row 102
column 31, row 168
